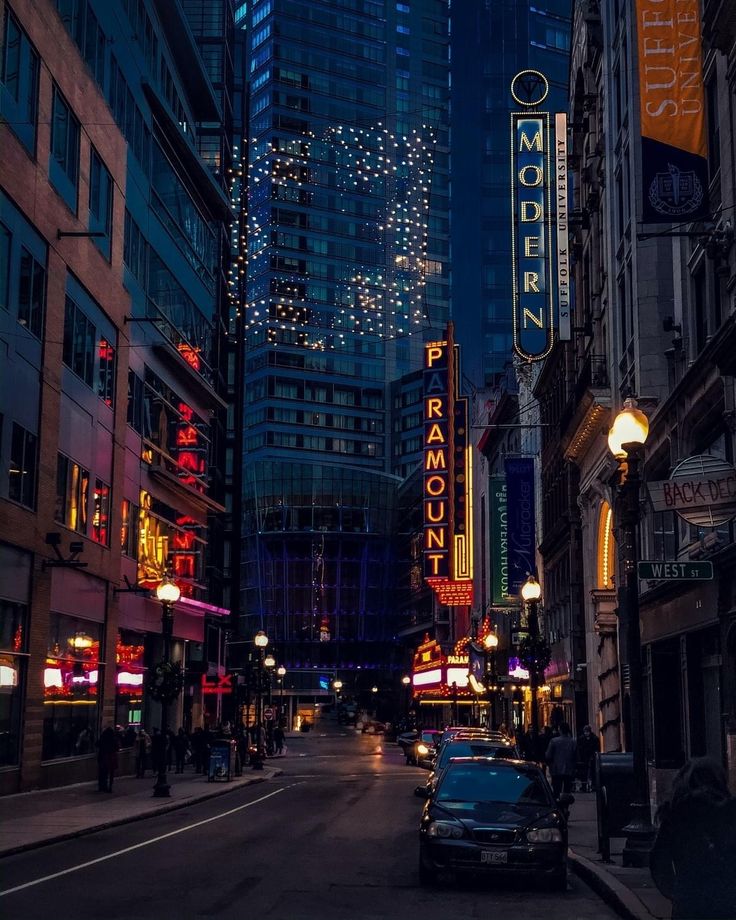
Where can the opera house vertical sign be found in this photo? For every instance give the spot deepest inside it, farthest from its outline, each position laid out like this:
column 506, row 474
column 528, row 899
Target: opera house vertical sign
column 448, row 538
column 531, row 213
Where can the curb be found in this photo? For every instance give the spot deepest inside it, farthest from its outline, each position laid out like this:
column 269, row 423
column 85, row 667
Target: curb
column 613, row 892
column 117, row 822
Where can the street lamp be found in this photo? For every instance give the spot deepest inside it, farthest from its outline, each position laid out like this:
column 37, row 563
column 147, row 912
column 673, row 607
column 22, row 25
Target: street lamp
column 281, row 671
column 406, row 681
column 168, row 594
column 490, row 644
column 531, row 591
column 261, row 641
column 626, row 441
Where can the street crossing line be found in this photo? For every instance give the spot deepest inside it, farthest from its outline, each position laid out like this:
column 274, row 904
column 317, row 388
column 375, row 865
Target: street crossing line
column 144, row 843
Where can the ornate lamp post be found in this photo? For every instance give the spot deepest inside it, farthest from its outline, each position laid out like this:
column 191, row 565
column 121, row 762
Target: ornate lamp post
column 281, row 671
column 261, row 641
column 269, row 662
column 531, row 592
column 166, row 678
column 626, row 441
column 490, row 644
column 406, row 681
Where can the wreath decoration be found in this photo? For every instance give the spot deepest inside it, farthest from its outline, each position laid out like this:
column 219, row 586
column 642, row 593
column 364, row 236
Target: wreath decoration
column 165, row 681
column 534, row 654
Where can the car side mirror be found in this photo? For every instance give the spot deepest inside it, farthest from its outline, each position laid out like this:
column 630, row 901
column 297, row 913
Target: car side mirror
column 565, row 800
column 422, row 792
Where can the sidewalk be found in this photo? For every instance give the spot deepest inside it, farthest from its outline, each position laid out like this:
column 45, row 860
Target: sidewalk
column 33, row 819
column 630, row 891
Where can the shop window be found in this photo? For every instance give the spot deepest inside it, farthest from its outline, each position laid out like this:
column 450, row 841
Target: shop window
column 72, row 494
column 19, row 89
column 31, row 293
column 100, row 203
column 100, row 532
column 22, row 469
column 71, row 678
column 13, row 645
column 169, row 541
column 129, row 529
column 64, row 163
column 129, row 683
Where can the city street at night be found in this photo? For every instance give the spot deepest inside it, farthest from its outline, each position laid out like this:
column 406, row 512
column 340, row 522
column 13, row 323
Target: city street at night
column 334, row 837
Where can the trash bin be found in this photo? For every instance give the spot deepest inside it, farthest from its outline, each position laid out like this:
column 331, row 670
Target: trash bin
column 222, row 760
column 614, row 783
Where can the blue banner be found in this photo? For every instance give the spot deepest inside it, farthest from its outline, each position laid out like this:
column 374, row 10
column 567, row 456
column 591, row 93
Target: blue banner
column 520, row 513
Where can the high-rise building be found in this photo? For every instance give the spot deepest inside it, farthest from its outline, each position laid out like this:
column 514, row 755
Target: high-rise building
column 112, row 228
column 494, row 41
column 348, row 267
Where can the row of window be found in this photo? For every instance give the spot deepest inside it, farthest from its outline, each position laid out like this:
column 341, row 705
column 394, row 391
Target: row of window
column 320, row 393
column 314, row 442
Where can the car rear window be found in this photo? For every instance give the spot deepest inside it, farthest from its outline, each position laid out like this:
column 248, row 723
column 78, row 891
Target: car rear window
column 472, row 749
column 484, row 782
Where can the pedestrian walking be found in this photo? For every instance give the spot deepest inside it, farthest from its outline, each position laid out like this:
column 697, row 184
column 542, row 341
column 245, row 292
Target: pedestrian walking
column 278, row 739
column 588, row 745
column 142, row 752
column 107, row 758
column 561, row 757
column 694, row 855
column 181, row 746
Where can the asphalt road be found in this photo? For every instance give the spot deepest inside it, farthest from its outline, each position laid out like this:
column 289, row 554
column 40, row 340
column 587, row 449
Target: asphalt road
column 334, row 838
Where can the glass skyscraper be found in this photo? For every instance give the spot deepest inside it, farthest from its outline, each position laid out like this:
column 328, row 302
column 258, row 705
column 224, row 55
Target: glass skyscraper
column 347, row 273
column 493, row 41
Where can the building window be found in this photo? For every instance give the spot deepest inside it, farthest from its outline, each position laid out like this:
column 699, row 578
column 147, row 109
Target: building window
column 129, row 529
column 135, row 250
column 19, row 74
column 64, row 163
column 72, row 494
column 714, row 131
column 129, row 680
column 100, row 203
column 31, row 293
column 13, row 643
column 71, row 677
column 100, row 532
column 106, row 372
column 135, row 402
column 5, row 237
column 91, row 359
column 22, row 469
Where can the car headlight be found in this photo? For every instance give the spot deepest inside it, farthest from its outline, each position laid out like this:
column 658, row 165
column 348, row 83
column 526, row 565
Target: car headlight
column 445, row 829
column 544, row 835
column 422, row 749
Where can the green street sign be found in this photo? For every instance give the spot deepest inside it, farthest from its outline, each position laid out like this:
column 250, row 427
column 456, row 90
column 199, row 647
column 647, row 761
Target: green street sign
column 676, row 571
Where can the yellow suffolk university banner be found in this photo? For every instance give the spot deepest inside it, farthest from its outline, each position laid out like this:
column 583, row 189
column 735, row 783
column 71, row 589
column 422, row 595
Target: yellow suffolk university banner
column 672, row 111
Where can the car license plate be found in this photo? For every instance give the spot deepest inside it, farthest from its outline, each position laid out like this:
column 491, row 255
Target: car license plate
column 495, row 857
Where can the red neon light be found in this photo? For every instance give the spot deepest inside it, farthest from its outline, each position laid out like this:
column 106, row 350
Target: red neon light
column 190, row 355
column 223, row 684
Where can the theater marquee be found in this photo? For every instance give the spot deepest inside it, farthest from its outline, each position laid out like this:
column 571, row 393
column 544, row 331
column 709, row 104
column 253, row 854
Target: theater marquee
column 448, row 550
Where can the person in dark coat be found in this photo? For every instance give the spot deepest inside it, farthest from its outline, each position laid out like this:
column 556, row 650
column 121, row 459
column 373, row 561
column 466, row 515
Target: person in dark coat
column 107, row 758
column 588, row 745
column 694, row 855
column 181, row 746
column 561, row 756
column 278, row 739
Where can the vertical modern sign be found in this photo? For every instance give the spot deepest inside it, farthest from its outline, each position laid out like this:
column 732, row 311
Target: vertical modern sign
column 531, row 212
column 521, row 521
column 564, row 326
column 674, row 150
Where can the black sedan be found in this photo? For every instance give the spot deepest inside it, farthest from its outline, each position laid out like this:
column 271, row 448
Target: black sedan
column 465, row 747
column 494, row 816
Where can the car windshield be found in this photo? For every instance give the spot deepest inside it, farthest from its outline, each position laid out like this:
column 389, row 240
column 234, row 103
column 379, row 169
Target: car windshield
column 472, row 749
column 485, row 782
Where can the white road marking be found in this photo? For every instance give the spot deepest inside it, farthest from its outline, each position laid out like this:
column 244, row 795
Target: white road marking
column 145, row 843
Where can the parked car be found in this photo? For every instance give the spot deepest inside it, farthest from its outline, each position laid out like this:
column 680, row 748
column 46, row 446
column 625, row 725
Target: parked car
column 419, row 748
column 494, row 816
column 460, row 746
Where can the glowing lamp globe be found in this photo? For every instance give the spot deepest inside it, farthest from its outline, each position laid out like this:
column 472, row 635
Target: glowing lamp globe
column 631, row 426
column 337, row 684
column 261, row 639
column 269, row 661
column 531, row 590
column 168, row 591
column 281, row 670
column 490, row 641
column 406, row 681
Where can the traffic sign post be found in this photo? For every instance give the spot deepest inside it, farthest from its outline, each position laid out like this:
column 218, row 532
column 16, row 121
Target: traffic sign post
column 269, row 714
column 675, row 571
